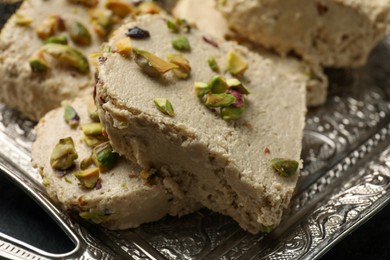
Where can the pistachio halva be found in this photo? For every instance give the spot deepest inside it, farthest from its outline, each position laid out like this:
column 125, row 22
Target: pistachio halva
column 208, row 19
column 334, row 33
column 83, row 174
column 222, row 125
column 44, row 50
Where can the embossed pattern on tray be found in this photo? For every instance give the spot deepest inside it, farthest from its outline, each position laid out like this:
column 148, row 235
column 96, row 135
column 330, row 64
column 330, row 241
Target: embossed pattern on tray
column 346, row 178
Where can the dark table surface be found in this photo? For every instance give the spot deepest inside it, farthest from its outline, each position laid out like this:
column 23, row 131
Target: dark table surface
column 22, row 218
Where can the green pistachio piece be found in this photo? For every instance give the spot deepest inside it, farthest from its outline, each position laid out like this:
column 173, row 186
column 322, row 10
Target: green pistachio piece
column 78, row 33
column 92, row 111
column 87, row 3
column 49, row 26
column 172, row 26
column 96, row 218
column 151, row 64
column 119, row 8
column 149, row 8
column 67, row 180
column 93, row 141
column 165, row 106
column 201, row 88
column 184, row 70
column 231, row 113
column 86, row 162
column 92, row 129
column 22, row 20
column 181, row 43
column 123, row 47
column 236, row 64
column 88, row 178
column 67, row 55
column 218, row 85
column 57, row 39
column 285, row 167
column 213, row 64
column 101, row 20
column 104, row 157
column 219, row 100
column 236, row 84
column 266, row 229
column 63, row 155
column 71, row 117
column 38, row 62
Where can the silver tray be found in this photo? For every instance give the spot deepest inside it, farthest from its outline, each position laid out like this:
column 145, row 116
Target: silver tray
column 345, row 180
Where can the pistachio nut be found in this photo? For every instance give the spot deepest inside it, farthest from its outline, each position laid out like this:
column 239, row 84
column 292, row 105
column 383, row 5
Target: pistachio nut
column 96, row 218
column 101, row 20
column 71, row 117
column 165, row 106
column 181, row 43
column 151, row 64
column 232, row 113
column 92, row 129
column 38, row 62
column 21, row 20
column 123, row 47
column 86, row 162
column 88, row 178
column 92, row 111
column 67, row 55
column 218, row 85
column 57, row 39
column 236, row 84
column 172, row 26
column 93, row 141
column 219, row 100
column 104, row 157
column 78, row 33
column 148, row 8
column 184, row 70
column 64, row 154
column 236, row 64
column 201, row 88
column 285, row 167
column 119, row 8
column 213, row 64
column 49, row 26
column 87, row 3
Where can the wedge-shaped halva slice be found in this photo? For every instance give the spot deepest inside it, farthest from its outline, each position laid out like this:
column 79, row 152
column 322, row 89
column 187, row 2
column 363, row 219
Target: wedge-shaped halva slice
column 335, row 33
column 225, row 165
column 120, row 199
column 208, row 19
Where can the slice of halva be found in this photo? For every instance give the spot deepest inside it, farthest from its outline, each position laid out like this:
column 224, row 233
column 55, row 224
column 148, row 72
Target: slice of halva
column 335, row 33
column 208, row 19
column 121, row 197
column 230, row 166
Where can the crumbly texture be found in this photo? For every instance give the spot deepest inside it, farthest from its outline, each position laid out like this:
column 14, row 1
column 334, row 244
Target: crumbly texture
column 208, row 19
column 221, row 164
column 34, row 94
column 123, row 201
column 335, row 33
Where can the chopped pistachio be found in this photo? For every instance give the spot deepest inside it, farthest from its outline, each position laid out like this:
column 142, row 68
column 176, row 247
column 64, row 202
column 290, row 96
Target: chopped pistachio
column 57, row 39
column 101, row 20
column 22, row 20
column 87, row 3
column 86, row 162
column 285, row 167
column 123, row 47
column 92, row 129
column 213, row 64
column 88, row 178
column 63, row 155
column 38, row 62
column 71, row 117
column 236, row 64
column 172, row 26
column 181, row 43
column 68, row 55
column 231, row 113
column 148, row 176
column 96, row 218
column 165, row 106
column 266, row 229
column 67, row 180
column 201, row 88
column 219, row 100
column 236, row 84
column 104, row 157
column 49, row 26
column 92, row 111
column 218, row 85
column 93, row 141
column 184, row 70
column 119, row 8
column 151, row 64
column 149, row 8
column 78, row 33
